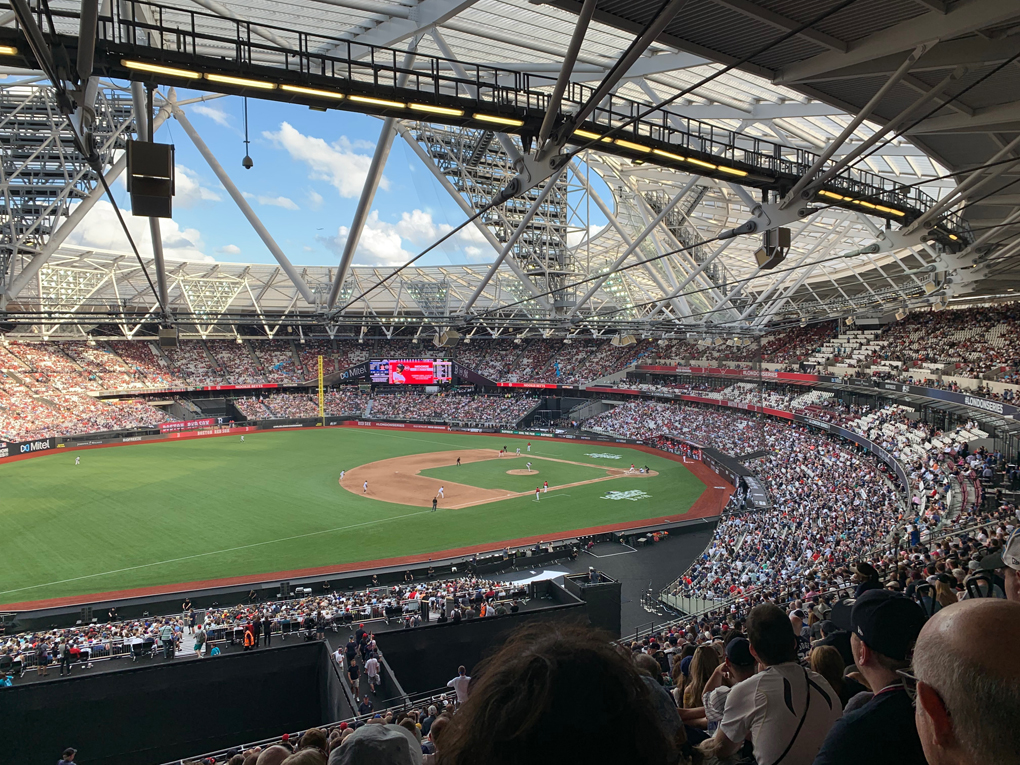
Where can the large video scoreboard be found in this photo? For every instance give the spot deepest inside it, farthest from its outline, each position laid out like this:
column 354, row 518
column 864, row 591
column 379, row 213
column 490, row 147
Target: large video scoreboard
column 410, row 371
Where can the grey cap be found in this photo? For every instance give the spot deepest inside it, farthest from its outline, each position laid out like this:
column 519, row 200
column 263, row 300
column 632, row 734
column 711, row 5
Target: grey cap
column 1008, row 556
column 378, row 745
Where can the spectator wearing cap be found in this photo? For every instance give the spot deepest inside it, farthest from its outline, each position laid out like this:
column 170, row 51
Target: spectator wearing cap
column 366, row 706
column 866, row 577
column 428, row 719
column 967, row 681
column 1008, row 560
column 786, row 710
column 837, row 638
column 739, row 665
column 382, row 743
column 884, row 627
column 67, row 758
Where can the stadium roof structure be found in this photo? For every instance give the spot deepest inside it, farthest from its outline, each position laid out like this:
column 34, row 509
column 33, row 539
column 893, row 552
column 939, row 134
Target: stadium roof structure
column 882, row 134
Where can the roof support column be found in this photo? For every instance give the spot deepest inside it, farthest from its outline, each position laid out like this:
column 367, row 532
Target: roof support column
column 375, row 172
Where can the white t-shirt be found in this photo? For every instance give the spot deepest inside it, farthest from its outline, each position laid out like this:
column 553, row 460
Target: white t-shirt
column 460, row 685
column 372, row 667
column 770, row 706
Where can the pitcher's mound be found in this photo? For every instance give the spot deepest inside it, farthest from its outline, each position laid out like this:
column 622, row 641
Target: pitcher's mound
column 522, row 472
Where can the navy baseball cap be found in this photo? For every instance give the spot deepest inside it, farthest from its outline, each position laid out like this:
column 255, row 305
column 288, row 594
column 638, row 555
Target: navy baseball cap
column 738, row 651
column 887, row 622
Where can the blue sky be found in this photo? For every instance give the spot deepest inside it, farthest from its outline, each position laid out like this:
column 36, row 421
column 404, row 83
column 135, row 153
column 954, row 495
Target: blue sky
column 308, row 173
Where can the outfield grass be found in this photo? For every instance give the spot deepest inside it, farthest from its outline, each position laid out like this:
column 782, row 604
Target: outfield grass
column 143, row 515
column 492, row 473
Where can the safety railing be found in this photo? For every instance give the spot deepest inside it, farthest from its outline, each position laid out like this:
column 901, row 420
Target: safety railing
column 192, row 37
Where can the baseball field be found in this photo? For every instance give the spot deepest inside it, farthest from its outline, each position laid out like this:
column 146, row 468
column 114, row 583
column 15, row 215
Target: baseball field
column 150, row 515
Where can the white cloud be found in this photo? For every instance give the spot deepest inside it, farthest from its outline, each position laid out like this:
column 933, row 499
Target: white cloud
column 189, row 191
column 418, row 227
column 471, row 233
column 314, row 199
column 577, row 236
column 284, row 202
column 384, row 243
column 101, row 230
column 214, row 113
column 337, row 162
column 380, row 243
column 229, row 249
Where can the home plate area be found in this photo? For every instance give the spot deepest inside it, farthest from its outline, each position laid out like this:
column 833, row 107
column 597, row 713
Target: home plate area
column 399, row 479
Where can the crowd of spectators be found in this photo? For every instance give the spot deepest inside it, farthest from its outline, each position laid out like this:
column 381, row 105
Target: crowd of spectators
column 412, row 603
column 828, row 501
column 969, row 342
column 496, row 411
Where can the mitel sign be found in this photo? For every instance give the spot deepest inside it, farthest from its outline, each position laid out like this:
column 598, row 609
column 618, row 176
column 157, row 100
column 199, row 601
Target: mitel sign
column 35, row 446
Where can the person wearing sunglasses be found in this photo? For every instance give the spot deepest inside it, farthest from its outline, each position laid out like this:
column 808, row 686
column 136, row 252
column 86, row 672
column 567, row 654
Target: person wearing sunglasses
column 965, row 683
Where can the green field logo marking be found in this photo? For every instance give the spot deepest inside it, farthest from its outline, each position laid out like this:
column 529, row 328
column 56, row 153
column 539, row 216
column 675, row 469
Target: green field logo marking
column 603, row 456
column 634, row 495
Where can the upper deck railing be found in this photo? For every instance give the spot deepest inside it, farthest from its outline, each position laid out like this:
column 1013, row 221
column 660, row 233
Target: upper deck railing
column 164, row 44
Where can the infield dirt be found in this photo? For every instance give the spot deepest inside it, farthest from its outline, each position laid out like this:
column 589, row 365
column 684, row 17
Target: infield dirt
column 398, row 479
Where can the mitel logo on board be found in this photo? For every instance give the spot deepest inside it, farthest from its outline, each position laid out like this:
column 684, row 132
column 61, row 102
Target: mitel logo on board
column 980, row 403
column 34, row 446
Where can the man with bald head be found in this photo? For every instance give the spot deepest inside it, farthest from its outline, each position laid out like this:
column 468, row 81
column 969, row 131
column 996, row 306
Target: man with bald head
column 968, row 684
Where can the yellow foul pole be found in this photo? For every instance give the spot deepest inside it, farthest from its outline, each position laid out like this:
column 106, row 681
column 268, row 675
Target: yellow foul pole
column 322, row 398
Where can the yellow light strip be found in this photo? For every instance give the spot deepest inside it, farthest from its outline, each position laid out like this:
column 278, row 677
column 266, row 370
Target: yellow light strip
column 312, row 92
column 732, row 171
column 8, row 50
column 699, row 163
column 241, row 82
column 377, row 102
column 590, row 135
column 631, row 145
column 141, row 66
column 499, row 120
column 862, row 203
column 669, row 155
column 437, row 109
column 890, row 210
column 954, row 237
column 830, row 195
